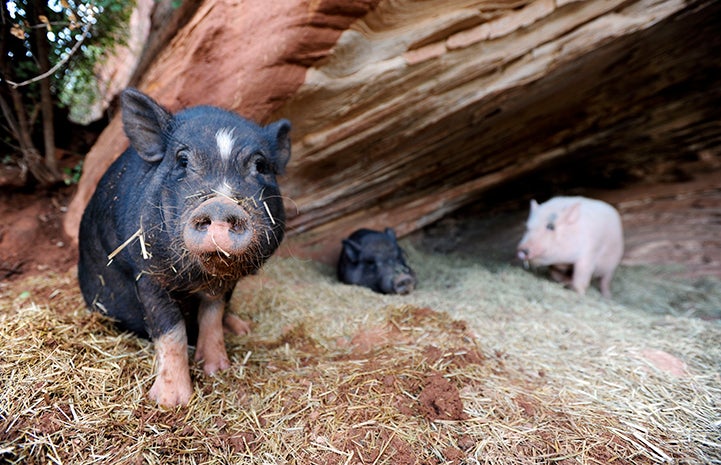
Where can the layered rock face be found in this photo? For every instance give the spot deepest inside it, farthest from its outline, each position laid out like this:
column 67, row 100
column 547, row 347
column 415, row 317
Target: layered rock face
column 245, row 56
column 406, row 111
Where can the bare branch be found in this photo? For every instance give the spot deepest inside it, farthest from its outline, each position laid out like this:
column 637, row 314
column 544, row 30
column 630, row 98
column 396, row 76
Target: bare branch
column 58, row 65
column 10, row 118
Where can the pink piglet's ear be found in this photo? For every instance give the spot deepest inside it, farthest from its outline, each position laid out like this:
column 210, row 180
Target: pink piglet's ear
column 572, row 214
column 534, row 205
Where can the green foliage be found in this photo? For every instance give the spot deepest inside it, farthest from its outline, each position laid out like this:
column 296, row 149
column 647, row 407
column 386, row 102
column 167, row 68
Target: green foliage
column 101, row 24
column 79, row 90
column 72, row 175
column 49, row 50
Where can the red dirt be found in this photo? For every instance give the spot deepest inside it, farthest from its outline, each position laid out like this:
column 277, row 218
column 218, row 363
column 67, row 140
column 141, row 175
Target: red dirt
column 31, row 235
column 440, row 400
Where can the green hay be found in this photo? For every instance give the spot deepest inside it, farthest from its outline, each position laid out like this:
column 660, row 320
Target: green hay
column 336, row 374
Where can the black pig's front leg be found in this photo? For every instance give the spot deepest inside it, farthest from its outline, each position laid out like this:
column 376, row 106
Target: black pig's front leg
column 172, row 384
column 212, row 323
column 166, row 327
column 211, row 345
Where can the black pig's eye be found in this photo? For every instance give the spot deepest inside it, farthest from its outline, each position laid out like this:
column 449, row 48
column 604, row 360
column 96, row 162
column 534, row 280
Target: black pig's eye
column 182, row 156
column 261, row 164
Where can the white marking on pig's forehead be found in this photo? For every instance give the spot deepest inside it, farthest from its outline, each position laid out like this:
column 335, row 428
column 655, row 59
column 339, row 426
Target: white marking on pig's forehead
column 224, row 189
column 225, row 140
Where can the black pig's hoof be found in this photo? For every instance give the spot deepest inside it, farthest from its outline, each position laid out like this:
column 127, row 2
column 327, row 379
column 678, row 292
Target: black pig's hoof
column 172, row 386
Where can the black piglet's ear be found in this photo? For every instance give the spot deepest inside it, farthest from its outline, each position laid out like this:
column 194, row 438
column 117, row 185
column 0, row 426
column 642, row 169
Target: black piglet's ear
column 145, row 123
column 351, row 250
column 279, row 134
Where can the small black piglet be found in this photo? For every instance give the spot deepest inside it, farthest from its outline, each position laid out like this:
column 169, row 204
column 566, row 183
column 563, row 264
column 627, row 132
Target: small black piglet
column 374, row 259
column 190, row 208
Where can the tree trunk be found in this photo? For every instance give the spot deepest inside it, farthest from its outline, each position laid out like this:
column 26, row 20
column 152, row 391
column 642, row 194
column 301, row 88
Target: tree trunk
column 21, row 179
column 43, row 170
column 42, row 52
column 7, row 102
column 31, row 159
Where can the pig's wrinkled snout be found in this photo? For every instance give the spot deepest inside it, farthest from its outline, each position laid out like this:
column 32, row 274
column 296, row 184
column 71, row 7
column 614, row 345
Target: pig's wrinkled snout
column 218, row 225
column 404, row 284
column 397, row 282
column 234, row 224
column 523, row 254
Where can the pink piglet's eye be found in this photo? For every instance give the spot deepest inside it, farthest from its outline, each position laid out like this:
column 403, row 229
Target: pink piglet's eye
column 551, row 227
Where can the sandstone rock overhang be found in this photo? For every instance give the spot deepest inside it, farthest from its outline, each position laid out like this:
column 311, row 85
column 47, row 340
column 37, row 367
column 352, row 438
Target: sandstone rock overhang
column 404, row 112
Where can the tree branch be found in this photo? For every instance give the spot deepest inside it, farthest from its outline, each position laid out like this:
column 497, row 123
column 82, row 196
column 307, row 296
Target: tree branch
column 10, row 118
column 58, row 65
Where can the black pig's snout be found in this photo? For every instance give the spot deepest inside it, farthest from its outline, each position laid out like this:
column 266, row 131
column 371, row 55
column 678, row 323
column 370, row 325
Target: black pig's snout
column 398, row 281
column 235, row 223
column 404, row 284
column 218, row 225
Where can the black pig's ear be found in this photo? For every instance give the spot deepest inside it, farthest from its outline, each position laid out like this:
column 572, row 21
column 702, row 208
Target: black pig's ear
column 145, row 122
column 278, row 133
column 390, row 232
column 351, row 250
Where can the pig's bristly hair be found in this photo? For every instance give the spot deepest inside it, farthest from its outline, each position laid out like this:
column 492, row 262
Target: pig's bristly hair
column 184, row 263
column 219, row 248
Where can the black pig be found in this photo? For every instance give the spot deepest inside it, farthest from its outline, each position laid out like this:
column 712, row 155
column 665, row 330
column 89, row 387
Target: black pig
column 375, row 260
column 190, row 208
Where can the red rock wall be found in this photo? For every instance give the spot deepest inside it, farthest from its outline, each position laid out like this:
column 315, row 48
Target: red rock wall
column 404, row 111
column 243, row 55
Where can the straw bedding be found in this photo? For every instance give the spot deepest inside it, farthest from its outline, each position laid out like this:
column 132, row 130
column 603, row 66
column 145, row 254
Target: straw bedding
column 480, row 365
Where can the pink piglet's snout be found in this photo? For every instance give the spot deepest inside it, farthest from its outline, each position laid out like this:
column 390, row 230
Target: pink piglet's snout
column 522, row 254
